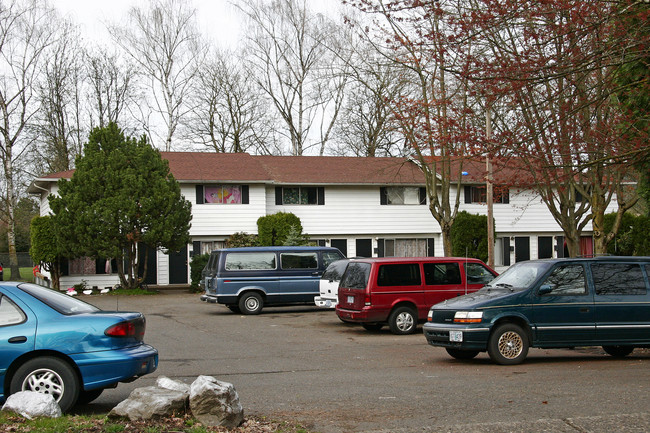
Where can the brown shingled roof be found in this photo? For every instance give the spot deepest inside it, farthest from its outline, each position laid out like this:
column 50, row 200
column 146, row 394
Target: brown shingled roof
column 215, row 167
column 340, row 170
column 242, row 167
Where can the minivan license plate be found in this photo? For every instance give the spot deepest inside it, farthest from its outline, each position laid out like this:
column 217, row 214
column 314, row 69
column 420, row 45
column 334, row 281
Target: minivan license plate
column 456, row 336
column 350, row 299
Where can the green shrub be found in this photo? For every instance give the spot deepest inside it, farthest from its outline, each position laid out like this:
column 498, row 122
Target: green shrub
column 241, row 239
column 469, row 236
column 196, row 266
column 633, row 237
column 274, row 229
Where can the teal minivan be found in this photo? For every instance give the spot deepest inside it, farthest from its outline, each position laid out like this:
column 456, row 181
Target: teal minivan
column 247, row 279
column 554, row 303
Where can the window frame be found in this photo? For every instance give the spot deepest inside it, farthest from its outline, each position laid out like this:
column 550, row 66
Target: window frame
column 478, row 194
column 201, row 188
column 385, row 194
column 317, row 191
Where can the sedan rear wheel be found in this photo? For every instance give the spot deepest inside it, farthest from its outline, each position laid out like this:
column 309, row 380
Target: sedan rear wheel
column 48, row 375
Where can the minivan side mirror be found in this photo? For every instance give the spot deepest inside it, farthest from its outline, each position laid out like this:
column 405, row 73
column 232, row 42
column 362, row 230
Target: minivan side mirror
column 545, row 289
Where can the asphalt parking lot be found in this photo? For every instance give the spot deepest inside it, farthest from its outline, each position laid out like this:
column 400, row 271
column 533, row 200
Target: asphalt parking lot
column 302, row 363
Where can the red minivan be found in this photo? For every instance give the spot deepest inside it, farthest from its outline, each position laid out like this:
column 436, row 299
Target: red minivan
column 399, row 291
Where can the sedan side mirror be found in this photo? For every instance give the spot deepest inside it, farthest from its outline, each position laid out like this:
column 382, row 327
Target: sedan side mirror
column 545, row 289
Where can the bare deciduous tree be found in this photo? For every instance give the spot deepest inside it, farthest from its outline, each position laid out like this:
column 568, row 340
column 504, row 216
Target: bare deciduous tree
column 230, row 112
column 58, row 126
column 288, row 47
column 164, row 42
column 27, row 29
column 112, row 88
column 366, row 126
column 438, row 117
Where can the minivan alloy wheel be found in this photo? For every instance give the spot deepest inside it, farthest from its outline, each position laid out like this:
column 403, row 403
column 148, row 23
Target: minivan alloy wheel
column 508, row 344
column 403, row 321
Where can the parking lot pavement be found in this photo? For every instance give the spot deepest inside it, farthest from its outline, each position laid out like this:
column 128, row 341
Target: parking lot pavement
column 304, row 364
column 634, row 423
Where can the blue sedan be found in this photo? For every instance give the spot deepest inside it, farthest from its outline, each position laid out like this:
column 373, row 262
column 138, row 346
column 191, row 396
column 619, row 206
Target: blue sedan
column 59, row 345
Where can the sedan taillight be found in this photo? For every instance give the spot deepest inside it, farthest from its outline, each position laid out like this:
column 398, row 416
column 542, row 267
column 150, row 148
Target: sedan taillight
column 131, row 328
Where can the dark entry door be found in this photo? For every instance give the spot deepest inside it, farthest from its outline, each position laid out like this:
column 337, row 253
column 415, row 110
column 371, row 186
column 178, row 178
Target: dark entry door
column 364, row 247
column 145, row 253
column 341, row 244
column 522, row 248
column 178, row 266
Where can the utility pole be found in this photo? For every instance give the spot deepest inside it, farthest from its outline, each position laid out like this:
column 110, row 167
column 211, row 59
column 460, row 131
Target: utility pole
column 489, row 192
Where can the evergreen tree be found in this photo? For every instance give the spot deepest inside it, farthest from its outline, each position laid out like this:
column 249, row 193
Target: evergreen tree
column 120, row 198
column 45, row 249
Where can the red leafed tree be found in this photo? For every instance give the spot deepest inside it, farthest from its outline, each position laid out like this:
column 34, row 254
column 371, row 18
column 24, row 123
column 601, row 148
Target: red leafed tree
column 554, row 68
column 438, row 114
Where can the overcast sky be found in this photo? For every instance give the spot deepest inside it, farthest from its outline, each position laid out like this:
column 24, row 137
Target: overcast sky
column 218, row 19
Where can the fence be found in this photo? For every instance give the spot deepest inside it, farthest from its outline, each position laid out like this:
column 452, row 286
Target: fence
column 24, row 260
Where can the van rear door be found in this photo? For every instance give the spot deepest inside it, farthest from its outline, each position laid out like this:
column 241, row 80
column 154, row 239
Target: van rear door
column 352, row 288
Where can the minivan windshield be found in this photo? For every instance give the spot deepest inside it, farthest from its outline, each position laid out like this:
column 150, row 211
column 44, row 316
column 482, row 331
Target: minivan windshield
column 356, row 276
column 520, row 275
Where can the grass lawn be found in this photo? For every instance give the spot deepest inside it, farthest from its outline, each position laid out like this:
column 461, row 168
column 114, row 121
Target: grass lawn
column 25, row 274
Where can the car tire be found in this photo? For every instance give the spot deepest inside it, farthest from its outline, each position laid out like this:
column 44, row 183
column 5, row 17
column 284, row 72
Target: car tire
column 374, row 327
column 403, row 320
column 618, row 351
column 86, row 397
column 251, row 303
column 48, row 375
column 508, row 344
column 462, row 354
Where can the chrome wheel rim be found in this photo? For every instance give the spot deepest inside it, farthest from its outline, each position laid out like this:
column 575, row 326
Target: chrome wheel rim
column 252, row 304
column 404, row 322
column 45, row 381
column 510, row 345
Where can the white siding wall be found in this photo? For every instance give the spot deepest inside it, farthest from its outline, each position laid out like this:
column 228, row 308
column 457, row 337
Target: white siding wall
column 45, row 203
column 225, row 219
column 163, row 268
column 356, row 210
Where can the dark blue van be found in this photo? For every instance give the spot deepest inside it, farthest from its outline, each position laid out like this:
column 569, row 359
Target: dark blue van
column 247, row 279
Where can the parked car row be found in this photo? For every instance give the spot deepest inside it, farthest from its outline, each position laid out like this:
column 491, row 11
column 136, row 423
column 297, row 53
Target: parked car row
column 468, row 309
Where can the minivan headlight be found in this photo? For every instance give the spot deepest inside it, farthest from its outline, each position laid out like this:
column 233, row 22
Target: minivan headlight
column 468, row 316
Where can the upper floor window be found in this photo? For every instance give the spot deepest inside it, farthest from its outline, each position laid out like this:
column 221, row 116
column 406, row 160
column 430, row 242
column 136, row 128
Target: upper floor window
column 478, row 194
column 395, row 195
column 222, row 194
column 299, row 195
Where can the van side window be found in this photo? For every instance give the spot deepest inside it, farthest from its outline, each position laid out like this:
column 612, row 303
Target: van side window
column 250, row 261
column 407, row 274
column 618, row 279
column 441, row 273
column 566, row 280
column 476, row 273
column 299, row 260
